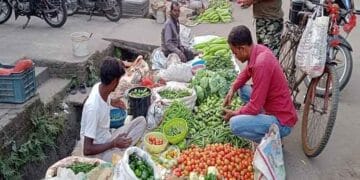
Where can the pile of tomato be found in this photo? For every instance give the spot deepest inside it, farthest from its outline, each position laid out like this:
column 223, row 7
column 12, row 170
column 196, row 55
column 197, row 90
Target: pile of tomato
column 231, row 162
column 155, row 141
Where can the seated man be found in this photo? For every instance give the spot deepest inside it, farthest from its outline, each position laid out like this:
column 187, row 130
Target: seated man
column 170, row 36
column 268, row 101
column 95, row 133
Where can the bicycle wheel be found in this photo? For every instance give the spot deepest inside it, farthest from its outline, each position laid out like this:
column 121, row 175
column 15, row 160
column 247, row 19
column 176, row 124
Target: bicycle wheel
column 344, row 64
column 319, row 113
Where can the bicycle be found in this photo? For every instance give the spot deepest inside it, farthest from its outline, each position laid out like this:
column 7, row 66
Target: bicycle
column 320, row 108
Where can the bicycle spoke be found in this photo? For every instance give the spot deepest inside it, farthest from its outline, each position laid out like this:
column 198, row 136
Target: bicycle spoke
column 317, row 125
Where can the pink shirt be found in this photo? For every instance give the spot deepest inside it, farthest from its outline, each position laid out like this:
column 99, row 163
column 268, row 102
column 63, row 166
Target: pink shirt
column 270, row 88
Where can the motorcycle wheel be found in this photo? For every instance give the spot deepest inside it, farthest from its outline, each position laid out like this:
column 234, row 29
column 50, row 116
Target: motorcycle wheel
column 5, row 11
column 71, row 7
column 343, row 68
column 59, row 15
column 114, row 14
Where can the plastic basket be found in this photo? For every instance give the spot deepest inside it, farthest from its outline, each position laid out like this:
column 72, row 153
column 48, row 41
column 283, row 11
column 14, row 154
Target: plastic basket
column 117, row 117
column 178, row 123
column 155, row 148
column 17, row 87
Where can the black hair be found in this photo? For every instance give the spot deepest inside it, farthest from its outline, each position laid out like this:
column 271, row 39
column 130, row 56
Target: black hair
column 111, row 69
column 173, row 3
column 240, row 35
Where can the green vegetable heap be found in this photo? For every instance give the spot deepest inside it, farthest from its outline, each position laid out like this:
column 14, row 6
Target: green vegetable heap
column 139, row 93
column 216, row 54
column 208, row 127
column 173, row 131
column 174, row 93
column 219, row 12
column 207, row 83
column 141, row 168
column 176, row 110
column 78, row 167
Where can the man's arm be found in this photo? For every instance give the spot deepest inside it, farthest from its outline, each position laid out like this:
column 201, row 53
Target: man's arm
column 241, row 79
column 91, row 149
column 121, row 141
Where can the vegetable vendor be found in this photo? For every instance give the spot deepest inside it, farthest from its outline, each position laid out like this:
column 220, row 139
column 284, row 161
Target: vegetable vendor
column 96, row 137
column 170, row 36
column 268, row 100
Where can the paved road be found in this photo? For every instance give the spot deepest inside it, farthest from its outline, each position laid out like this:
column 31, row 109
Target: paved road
column 340, row 159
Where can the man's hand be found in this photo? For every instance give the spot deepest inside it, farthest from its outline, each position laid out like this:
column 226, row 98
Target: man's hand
column 121, row 141
column 228, row 98
column 245, row 2
column 228, row 114
column 118, row 103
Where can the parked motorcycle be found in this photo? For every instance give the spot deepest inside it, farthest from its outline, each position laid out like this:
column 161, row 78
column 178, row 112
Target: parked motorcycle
column 112, row 9
column 52, row 11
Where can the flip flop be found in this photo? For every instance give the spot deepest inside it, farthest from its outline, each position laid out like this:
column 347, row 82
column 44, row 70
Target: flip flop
column 82, row 88
column 72, row 89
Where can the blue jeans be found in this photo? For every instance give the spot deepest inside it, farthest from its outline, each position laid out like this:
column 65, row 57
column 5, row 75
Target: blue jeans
column 254, row 127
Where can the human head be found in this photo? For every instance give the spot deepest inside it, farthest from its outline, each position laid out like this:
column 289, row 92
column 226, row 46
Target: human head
column 110, row 72
column 175, row 10
column 240, row 42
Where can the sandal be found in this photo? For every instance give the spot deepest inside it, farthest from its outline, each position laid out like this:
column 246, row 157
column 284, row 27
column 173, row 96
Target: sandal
column 73, row 84
column 82, row 88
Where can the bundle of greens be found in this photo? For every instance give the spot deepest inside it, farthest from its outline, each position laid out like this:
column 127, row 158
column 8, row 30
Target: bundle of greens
column 208, row 83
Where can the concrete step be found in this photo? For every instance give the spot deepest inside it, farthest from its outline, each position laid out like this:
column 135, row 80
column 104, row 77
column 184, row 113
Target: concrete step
column 42, row 74
column 53, row 88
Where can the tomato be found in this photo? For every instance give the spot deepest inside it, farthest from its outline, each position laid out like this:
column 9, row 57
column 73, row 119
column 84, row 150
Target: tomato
column 237, row 175
column 250, row 168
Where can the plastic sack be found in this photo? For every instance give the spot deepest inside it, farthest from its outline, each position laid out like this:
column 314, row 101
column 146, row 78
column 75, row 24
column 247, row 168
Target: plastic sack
column 155, row 114
column 186, row 36
column 180, row 72
column 122, row 169
column 158, row 59
column 311, row 52
column 57, row 169
column 268, row 158
column 189, row 101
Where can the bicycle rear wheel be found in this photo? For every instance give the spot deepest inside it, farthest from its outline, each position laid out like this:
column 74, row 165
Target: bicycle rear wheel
column 319, row 113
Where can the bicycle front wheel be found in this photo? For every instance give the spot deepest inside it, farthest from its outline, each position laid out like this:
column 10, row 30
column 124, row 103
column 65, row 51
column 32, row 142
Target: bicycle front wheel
column 320, row 113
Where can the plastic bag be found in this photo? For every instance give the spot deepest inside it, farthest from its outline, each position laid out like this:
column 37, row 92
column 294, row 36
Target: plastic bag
column 123, row 171
column 158, row 59
column 155, row 114
column 311, row 52
column 186, row 36
column 180, row 72
column 55, row 169
column 268, row 158
column 189, row 101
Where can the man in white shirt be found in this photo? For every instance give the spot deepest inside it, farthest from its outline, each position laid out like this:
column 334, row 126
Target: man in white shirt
column 95, row 133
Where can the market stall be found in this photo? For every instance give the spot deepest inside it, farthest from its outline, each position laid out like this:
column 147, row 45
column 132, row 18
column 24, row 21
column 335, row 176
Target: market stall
column 186, row 136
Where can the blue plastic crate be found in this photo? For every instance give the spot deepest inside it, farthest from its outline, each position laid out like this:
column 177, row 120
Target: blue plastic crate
column 17, row 87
